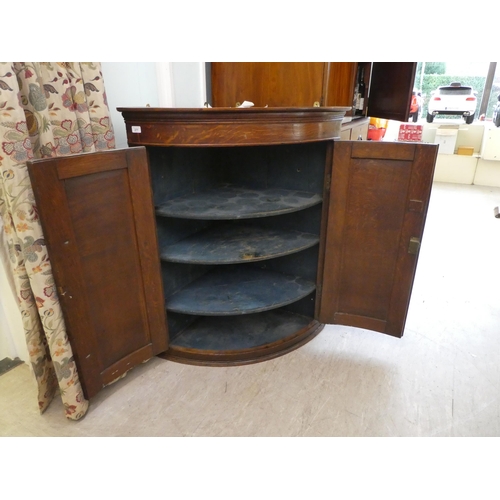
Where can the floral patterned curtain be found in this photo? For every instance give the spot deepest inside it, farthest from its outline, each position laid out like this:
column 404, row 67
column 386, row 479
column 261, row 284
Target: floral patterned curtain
column 46, row 110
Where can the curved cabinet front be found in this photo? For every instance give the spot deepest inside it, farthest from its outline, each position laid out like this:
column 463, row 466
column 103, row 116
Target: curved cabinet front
column 238, row 196
column 269, row 227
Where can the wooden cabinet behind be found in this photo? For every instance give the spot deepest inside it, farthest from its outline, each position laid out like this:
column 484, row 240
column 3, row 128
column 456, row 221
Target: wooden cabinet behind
column 296, row 84
column 273, row 84
column 340, row 83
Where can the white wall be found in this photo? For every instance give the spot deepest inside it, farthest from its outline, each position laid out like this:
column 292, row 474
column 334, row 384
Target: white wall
column 189, row 84
column 162, row 84
column 128, row 84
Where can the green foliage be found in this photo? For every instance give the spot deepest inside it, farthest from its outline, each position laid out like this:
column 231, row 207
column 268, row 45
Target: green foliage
column 435, row 68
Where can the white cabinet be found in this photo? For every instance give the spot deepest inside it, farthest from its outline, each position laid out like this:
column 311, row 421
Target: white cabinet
column 353, row 130
column 491, row 144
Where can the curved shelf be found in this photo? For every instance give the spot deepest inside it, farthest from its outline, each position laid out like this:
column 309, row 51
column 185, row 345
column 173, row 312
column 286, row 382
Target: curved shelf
column 237, row 243
column 229, row 203
column 212, row 333
column 221, row 341
column 235, row 290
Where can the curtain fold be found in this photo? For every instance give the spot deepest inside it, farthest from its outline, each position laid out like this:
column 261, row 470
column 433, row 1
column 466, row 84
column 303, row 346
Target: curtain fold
column 46, row 110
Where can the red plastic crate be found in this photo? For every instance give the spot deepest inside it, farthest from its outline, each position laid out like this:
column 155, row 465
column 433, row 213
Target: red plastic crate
column 410, row 133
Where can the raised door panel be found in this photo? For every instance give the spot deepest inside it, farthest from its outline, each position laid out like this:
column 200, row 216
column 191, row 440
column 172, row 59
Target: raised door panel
column 97, row 215
column 391, row 86
column 377, row 207
column 273, row 84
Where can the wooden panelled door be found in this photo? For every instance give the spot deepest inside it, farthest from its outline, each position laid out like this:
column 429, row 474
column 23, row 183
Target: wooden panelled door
column 391, row 87
column 377, row 207
column 98, row 221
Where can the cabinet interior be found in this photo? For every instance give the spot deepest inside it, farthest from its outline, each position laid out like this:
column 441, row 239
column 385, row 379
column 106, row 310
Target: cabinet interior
column 238, row 231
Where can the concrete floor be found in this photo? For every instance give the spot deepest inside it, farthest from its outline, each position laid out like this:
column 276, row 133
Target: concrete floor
column 441, row 379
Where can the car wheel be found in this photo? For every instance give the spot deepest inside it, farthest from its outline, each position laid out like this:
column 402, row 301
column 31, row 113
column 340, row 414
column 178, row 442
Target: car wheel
column 430, row 118
column 469, row 119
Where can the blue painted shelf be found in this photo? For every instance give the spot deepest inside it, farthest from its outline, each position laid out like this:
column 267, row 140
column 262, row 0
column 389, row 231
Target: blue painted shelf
column 236, row 243
column 229, row 203
column 238, row 289
column 220, row 334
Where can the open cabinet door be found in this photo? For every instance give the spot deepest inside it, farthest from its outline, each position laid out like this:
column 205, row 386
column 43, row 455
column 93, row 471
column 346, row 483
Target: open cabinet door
column 98, row 220
column 391, row 87
column 376, row 213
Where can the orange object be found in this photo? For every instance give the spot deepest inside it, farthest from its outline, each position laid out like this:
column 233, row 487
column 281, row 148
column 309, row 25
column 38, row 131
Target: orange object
column 376, row 134
column 377, row 128
column 414, row 104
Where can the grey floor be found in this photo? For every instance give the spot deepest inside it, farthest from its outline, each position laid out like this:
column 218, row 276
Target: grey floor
column 441, row 379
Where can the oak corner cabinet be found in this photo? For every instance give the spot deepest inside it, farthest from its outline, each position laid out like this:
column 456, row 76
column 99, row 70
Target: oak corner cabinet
column 229, row 236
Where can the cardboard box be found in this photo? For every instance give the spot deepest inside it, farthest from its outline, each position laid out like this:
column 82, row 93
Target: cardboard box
column 465, row 150
column 446, row 138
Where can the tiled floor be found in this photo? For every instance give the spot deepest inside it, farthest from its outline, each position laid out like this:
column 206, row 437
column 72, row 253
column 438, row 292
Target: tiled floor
column 441, row 379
